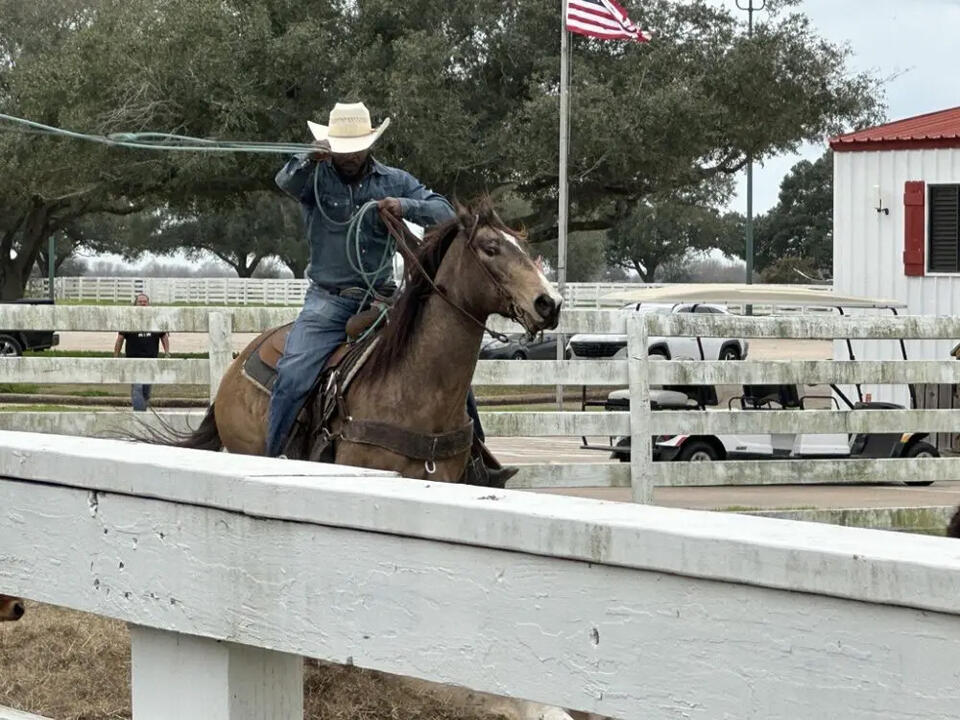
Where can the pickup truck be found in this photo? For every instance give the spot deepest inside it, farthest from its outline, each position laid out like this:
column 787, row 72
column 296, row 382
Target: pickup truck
column 14, row 342
column 586, row 347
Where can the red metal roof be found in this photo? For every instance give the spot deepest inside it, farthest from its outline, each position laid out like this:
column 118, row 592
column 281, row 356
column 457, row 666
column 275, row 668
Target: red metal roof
column 934, row 130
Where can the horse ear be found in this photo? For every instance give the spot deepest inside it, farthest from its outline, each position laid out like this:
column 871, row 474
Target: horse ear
column 464, row 214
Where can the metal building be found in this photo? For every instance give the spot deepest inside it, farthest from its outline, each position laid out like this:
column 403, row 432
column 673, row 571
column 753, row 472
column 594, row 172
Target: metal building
column 896, row 214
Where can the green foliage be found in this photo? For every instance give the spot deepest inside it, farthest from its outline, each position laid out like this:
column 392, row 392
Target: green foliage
column 471, row 87
column 666, row 231
column 798, row 231
column 257, row 226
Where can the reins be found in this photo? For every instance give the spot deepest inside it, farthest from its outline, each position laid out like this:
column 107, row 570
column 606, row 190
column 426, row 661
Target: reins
column 400, row 233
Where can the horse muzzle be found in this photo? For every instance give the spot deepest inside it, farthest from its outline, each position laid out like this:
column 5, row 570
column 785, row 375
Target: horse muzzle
column 548, row 309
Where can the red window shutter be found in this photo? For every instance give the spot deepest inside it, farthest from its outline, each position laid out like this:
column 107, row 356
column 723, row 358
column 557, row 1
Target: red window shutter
column 915, row 227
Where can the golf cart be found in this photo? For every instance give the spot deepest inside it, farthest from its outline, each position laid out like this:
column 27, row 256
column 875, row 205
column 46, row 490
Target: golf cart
column 758, row 398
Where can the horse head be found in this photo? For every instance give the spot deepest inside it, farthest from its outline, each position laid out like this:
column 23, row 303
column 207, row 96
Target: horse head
column 493, row 273
column 479, row 266
column 11, row 608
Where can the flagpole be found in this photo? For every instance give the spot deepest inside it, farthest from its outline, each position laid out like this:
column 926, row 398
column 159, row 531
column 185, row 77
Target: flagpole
column 563, row 209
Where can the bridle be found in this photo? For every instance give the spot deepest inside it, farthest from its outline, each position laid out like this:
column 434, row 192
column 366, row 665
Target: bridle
column 401, row 235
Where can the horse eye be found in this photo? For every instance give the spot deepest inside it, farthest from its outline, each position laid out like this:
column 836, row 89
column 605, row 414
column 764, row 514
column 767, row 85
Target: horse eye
column 491, row 249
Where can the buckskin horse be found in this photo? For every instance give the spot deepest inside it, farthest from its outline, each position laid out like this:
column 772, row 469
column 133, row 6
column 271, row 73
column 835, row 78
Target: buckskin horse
column 398, row 400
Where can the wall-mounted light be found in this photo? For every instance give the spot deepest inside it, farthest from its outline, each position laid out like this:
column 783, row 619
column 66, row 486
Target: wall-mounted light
column 880, row 208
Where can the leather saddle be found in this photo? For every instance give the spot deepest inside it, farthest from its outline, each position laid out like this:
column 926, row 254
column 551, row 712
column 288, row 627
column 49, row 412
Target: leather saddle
column 260, row 367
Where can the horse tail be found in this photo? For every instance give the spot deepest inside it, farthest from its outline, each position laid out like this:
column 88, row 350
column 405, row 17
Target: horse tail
column 205, row 437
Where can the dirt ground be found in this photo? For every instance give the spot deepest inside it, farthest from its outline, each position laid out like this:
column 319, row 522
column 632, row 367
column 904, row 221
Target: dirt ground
column 68, row 665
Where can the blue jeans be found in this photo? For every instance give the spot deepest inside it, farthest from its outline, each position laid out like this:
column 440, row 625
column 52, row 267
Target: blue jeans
column 318, row 330
column 140, row 396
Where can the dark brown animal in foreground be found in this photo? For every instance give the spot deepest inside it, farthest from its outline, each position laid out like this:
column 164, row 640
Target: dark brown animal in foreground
column 11, row 608
column 953, row 529
column 416, row 379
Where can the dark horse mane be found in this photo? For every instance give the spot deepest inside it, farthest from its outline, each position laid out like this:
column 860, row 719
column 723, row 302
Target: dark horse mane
column 404, row 316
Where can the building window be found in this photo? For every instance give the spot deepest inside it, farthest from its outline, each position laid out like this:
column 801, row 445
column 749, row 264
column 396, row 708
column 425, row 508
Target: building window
column 944, row 228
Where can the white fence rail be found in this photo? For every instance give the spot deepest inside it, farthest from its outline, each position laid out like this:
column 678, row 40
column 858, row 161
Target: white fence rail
column 640, row 424
column 230, row 569
column 244, row 291
column 288, row 291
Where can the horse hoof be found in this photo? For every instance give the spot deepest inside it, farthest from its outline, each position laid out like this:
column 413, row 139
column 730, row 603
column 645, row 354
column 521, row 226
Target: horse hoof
column 498, row 477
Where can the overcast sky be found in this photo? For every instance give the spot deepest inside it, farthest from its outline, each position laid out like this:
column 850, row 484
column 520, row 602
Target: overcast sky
column 915, row 39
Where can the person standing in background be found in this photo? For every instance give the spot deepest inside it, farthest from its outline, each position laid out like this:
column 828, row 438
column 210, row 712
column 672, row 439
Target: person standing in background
column 141, row 345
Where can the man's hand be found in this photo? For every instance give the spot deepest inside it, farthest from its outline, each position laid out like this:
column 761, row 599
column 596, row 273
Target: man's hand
column 392, row 206
column 321, row 150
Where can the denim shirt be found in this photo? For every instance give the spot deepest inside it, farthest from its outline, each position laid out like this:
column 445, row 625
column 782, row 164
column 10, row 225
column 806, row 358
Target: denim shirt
column 309, row 182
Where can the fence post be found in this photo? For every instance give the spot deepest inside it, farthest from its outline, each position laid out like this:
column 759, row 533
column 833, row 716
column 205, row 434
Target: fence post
column 194, row 678
column 220, row 333
column 641, row 449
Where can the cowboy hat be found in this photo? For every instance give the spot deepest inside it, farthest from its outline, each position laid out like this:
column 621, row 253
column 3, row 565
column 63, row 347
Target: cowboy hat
column 349, row 130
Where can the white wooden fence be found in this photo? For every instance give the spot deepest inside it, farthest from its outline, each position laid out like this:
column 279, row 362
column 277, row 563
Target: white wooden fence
column 288, row 291
column 640, row 423
column 243, row 291
column 230, row 569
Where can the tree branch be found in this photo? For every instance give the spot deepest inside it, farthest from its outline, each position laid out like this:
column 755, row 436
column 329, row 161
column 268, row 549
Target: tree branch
column 6, row 245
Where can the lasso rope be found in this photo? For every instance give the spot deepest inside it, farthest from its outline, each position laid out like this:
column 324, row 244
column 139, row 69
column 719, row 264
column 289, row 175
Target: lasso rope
column 353, row 225
column 163, row 141
column 186, row 143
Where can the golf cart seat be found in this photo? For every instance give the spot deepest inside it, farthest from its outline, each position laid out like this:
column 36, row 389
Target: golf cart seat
column 703, row 395
column 873, row 405
column 671, row 400
column 660, row 399
column 757, row 397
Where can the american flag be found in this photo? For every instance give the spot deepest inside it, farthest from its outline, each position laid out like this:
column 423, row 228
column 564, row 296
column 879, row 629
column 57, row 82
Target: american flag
column 603, row 19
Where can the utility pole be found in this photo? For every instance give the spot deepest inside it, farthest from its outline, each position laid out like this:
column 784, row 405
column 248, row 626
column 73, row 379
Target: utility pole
column 750, row 7
column 564, row 197
column 51, row 264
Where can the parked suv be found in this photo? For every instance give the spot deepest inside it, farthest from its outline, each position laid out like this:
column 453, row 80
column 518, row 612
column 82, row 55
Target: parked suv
column 585, row 346
column 14, row 342
column 542, row 347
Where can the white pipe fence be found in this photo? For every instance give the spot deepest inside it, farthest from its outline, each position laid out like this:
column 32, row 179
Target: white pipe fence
column 230, row 569
column 640, row 423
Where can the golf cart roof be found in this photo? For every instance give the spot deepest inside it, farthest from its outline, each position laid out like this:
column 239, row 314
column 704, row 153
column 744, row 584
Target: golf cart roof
column 742, row 294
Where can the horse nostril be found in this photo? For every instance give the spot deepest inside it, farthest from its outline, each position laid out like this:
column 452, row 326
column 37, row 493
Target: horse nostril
column 545, row 306
column 18, row 610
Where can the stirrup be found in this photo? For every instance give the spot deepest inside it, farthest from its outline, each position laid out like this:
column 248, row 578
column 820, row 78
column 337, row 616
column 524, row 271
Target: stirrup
column 484, row 469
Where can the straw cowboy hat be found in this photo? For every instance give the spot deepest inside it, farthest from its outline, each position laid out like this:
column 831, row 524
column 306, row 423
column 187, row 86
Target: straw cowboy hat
column 349, row 130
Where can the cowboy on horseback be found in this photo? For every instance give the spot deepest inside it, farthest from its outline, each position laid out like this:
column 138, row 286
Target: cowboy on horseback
column 351, row 258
